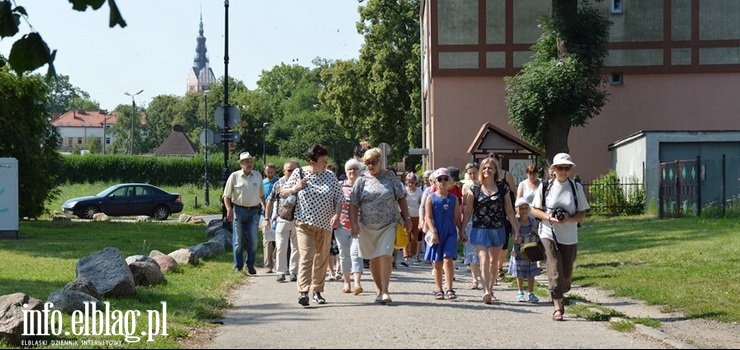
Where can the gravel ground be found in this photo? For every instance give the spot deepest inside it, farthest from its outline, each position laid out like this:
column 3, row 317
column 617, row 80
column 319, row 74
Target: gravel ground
column 266, row 314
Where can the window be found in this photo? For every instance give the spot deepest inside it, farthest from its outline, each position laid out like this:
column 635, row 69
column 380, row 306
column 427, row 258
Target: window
column 616, row 78
column 79, row 140
column 617, row 6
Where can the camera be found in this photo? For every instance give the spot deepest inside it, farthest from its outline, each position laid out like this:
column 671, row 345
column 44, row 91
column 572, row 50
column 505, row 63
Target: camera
column 558, row 213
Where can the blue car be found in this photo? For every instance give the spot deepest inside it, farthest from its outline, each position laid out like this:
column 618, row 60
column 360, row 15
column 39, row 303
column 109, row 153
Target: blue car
column 126, row 200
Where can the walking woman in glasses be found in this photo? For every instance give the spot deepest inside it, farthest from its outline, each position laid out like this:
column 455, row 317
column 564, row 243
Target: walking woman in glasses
column 489, row 204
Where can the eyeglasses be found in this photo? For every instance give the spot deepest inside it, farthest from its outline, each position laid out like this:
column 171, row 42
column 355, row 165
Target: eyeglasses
column 289, row 170
column 351, row 169
column 371, row 162
column 443, row 179
column 562, row 167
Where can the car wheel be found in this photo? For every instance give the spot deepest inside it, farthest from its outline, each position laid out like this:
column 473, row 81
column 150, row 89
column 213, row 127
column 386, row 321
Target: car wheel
column 89, row 211
column 161, row 212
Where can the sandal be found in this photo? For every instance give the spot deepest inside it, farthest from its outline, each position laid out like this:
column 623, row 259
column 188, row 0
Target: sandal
column 439, row 295
column 357, row 290
column 474, row 285
column 451, row 294
column 557, row 315
column 487, row 298
column 346, row 289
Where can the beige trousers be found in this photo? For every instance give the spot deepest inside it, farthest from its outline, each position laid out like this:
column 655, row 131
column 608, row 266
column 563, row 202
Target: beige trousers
column 313, row 250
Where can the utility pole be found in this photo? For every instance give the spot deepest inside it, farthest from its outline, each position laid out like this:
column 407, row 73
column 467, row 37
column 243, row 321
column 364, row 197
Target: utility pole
column 226, row 134
column 205, row 147
column 133, row 116
column 264, row 135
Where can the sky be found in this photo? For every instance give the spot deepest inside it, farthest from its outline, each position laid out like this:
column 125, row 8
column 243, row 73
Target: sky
column 155, row 51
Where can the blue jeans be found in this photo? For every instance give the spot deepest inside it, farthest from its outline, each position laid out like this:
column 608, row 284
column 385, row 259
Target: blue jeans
column 245, row 229
column 349, row 249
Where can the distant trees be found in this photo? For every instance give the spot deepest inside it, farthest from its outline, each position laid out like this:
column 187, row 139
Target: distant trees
column 378, row 96
column 27, row 135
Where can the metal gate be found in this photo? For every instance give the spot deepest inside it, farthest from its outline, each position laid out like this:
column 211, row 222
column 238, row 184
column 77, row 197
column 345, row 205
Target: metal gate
column 680, row 188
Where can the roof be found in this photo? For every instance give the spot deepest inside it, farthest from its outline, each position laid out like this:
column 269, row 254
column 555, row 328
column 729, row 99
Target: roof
column 176, row 144
column 81, row 118
column 491, row 138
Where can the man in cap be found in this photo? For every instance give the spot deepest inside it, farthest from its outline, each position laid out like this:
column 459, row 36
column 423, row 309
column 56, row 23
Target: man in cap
column 244, row 199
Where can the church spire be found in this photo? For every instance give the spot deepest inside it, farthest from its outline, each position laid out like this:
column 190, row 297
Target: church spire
column 201, row 75
column 201, row 58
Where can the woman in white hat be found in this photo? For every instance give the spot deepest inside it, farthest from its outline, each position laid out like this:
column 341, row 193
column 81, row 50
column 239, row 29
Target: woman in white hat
column 560, row 204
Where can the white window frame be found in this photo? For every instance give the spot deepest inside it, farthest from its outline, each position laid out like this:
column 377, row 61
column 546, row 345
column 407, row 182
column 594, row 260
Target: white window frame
column 617, row 6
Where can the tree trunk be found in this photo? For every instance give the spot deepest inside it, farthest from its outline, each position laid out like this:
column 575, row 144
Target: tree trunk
column 564, row 12
column 556, row 136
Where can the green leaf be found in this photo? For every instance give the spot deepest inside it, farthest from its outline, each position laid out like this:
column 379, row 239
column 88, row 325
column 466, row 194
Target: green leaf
column 9, row 20
column 81, row 5
column 28, row 53
column 115, row 15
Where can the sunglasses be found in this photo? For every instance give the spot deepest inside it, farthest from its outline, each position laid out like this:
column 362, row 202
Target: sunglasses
column 289, row 170
column 562, row 167
column 351, row 169
column 443, row 179
column 371, row 162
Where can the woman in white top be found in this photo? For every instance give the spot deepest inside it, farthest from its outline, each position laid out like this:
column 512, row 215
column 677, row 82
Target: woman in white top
column 528, row 186
column 413, row 200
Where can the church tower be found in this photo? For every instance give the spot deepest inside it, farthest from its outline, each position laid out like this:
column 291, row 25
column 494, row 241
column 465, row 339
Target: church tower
column 200, row 75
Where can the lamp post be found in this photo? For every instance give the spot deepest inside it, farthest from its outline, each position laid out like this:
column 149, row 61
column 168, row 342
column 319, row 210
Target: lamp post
column 133, row 116
column 105, row 117
column 264, row 136
column 205, row 124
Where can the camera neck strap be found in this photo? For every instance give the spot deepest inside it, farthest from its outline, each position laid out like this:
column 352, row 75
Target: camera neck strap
column 545, row 189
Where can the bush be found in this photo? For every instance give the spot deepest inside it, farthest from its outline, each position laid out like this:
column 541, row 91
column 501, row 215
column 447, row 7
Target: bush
column 610, row 197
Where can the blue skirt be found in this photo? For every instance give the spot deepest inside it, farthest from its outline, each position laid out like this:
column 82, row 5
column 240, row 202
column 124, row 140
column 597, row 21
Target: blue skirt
column 487, row 237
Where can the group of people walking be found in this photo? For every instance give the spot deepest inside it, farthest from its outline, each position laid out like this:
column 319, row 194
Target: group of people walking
column 363, row 212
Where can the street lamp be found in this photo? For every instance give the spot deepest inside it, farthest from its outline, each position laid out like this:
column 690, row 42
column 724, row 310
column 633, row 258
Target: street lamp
column 133, row 116
column 205, row 124
column 264, row 136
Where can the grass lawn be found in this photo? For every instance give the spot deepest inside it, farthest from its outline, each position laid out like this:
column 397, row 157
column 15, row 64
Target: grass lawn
column 44, row 259
column 688, row 265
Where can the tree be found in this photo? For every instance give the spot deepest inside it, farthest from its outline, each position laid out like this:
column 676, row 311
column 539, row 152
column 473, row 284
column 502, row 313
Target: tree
column 62, row 94
column 31, row 51
column 162, row 113
column 27, row 135
column 378, row 96
column 562, row 87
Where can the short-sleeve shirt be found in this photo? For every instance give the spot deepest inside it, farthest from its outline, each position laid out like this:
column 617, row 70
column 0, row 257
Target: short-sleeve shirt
column 377, row 198
column 318, row 201
column 244, row 190
column 560, row 195
column 414, row 201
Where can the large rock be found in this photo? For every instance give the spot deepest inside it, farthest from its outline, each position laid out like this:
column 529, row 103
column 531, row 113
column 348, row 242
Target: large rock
column 11, row 316
column 166, row 263
column 155, row 252
column 69, row 300
column 184, row 256
column 138, row 258
column 108, row 272
column 216, row 244
column 146, row 273
column 218, row 227
column 83, row 285
column 202, row 251
column 100, row 217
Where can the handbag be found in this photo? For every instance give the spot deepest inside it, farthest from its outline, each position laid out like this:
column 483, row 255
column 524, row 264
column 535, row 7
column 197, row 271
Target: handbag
column 286, row 211
column 532, row 248
column 402, row 238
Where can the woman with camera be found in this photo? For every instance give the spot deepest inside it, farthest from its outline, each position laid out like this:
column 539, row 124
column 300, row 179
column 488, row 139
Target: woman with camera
column 560, row 204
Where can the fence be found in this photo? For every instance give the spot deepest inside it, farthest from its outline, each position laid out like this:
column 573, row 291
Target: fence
column 616, row 197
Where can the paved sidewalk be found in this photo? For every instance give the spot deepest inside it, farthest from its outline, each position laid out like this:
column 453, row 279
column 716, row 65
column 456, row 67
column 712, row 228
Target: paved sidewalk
column 266, row 314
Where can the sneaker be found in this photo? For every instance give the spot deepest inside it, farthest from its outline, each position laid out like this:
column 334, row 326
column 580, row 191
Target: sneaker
column 533, row 298
column 251, row 270
column 293, row 277
column 520, row 297
column 237, row 270
column 403, row 263
column 303, row 299
column 281, row 278
column 385, row 299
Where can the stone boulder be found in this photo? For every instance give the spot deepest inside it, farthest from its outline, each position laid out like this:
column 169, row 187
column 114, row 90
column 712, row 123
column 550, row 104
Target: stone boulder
column 146, row 273
column 218, row 227
column 166, row 263
column 155, row 252
column 138, row 258
column 69, row 300
column 83, row 285
column 100, row 217
column 184, row 218
column 202, row 251
column 143, row 218
column 184, row 256
column 108, row 272
column 11, row 316
column 216, row 244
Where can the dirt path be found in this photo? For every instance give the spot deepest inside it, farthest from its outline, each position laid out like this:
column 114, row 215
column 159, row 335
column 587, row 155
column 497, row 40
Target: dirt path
column 266, row 314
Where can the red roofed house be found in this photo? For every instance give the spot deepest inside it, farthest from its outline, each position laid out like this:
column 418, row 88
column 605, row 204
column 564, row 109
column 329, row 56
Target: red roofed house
column 80, row 128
